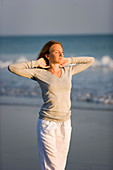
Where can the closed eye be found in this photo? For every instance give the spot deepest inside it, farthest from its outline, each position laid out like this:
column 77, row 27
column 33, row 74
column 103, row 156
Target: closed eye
column 58, row 52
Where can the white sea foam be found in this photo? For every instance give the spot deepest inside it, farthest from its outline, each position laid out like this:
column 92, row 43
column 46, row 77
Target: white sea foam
column 106, row 61
column 4, row 64
column 21, row 59
column 106, row 99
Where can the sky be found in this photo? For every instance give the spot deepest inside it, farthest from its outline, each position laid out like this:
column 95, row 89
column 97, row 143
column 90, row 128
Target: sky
column 43, row 17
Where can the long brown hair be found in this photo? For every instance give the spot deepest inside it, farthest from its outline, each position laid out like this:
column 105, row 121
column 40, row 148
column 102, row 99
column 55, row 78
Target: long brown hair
column 45, row 50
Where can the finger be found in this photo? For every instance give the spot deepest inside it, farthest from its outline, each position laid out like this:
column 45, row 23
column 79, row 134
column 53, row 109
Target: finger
column 46, row 66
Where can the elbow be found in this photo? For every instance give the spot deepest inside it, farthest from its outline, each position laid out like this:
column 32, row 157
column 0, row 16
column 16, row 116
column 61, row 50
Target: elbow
column 10, row 68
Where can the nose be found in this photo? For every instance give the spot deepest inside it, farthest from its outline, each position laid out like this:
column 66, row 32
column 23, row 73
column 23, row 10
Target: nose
column 61, row 54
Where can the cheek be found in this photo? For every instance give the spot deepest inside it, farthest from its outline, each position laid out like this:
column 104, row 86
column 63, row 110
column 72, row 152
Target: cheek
column 53, row 57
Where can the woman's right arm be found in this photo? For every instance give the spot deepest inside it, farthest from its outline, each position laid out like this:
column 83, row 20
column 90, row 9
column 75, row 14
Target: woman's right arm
column 26, row 69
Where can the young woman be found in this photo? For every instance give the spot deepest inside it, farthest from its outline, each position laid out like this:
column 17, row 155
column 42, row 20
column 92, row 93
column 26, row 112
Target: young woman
column 54, row 124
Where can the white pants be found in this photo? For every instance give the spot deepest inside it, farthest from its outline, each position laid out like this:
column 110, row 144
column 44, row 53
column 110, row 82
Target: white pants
column 53, row 140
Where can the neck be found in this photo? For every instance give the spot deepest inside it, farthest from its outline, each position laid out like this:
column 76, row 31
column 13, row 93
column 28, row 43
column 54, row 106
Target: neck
column 54, row 67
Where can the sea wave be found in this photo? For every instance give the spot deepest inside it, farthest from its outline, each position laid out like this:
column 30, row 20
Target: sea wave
column 36, row 93
column 4, row 64
column 32, row 102
column 105, row 61
column 88, row 97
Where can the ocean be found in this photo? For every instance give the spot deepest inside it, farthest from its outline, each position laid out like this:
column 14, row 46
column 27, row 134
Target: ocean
column 94, row 85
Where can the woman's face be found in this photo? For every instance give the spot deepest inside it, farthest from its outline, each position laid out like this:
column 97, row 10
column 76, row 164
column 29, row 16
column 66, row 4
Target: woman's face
column 55, row 55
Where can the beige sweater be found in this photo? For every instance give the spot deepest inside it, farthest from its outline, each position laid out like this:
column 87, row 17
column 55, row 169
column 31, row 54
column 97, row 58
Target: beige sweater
column 55, row 91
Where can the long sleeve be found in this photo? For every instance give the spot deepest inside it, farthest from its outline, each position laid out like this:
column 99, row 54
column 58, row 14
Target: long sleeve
column 80, row 63
column 26, row 69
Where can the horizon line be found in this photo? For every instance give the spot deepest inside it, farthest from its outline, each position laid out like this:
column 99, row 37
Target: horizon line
column 69, row 34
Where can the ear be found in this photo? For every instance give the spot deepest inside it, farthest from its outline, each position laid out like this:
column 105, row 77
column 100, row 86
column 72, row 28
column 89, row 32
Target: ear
column 47, row 56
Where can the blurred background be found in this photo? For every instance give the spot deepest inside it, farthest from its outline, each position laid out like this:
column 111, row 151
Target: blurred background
column 85, row 28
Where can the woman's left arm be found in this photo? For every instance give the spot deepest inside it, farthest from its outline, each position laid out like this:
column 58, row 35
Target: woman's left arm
column 80, row 63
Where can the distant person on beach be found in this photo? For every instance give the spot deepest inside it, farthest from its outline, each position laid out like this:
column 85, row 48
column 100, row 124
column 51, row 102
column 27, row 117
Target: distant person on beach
column 54, row 73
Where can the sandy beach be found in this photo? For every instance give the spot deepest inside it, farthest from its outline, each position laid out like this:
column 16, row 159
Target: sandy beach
column 91, row 145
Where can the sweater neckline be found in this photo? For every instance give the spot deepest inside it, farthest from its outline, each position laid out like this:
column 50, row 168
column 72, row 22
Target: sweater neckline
column 54, row 75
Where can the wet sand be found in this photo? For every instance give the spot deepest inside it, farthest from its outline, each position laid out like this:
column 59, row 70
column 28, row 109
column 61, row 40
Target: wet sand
column 91, row 145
